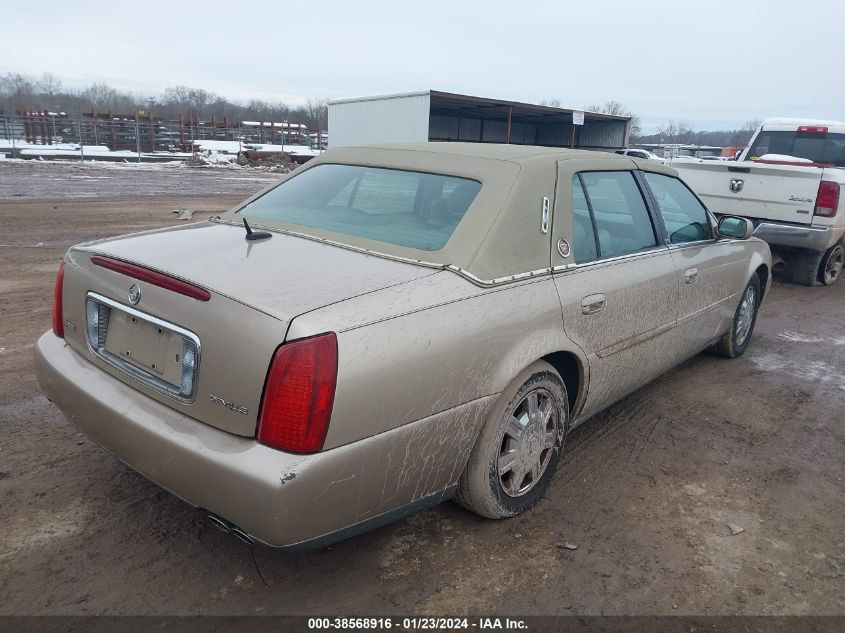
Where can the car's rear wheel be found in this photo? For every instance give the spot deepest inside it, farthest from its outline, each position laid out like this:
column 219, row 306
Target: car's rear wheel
column 832, row 263
column 517, row 453
column 735, row 341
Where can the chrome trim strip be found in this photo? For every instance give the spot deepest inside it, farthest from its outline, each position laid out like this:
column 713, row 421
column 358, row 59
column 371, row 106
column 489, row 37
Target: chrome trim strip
column 651, row 251
column 544, row 218
column 139, row 374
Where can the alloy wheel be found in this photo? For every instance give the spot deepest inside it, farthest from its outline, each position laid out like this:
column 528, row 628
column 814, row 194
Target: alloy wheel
column 528, row 443
column 833, row 265
column 745, row 317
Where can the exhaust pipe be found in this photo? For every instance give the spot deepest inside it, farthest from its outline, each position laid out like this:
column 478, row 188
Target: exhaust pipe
column 220, row 524
column 242, row 536
column 778, row 265
column 224, row 526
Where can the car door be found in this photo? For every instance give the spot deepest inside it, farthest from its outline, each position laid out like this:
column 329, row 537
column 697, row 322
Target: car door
column 617, row 282
column 710, row 270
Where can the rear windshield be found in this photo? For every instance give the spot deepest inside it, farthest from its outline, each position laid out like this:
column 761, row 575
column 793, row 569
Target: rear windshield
column 406, row 208
column 819, row 147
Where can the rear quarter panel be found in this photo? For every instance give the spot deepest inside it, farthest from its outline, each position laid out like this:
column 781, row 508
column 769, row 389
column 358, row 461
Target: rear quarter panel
column 431, row 346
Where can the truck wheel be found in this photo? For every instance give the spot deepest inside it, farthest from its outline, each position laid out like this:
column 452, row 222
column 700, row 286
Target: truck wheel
column 831, row 265
column 518, row 450
column 803, row 266
column 735, row 341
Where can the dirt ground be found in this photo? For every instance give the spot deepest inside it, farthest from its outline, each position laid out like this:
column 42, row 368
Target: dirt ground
column 646, row 489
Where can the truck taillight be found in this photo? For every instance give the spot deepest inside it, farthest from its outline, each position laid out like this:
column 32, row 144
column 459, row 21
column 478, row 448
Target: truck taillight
column 58, row 316
column 827, row 199
column 299, row 394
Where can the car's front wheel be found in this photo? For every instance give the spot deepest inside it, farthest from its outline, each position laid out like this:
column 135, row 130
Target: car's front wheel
column 735, row 341
column 519, row 447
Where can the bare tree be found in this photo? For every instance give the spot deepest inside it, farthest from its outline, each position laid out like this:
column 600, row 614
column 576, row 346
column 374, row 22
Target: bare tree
column 49, row 84
column 317, row 111
column 552, row 103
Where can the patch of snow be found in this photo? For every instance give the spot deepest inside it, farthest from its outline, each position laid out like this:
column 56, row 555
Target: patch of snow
column 797, row 337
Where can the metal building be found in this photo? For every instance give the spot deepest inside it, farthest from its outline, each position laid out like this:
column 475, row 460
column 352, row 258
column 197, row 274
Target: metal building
column 431, row 115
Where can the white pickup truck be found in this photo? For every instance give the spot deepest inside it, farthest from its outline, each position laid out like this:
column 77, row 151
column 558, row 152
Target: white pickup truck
column 787, row 182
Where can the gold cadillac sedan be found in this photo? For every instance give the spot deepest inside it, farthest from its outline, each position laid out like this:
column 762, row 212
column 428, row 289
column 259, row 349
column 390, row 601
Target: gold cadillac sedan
column 392, row 326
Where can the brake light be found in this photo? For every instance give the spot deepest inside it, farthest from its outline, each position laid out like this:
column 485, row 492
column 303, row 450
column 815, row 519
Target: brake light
column 152, row 277
column 58, row 315
column 297, row 405
column 811, row 129
column 827, row 199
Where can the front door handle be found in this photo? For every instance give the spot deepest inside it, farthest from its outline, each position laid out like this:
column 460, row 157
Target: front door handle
column 593, row 303
column 691, row 275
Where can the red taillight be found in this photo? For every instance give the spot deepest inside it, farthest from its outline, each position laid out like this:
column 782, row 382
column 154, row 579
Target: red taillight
column 58, row 316
column 299, row 394
column 152, row 277
column 812, row 129
column 827, row 199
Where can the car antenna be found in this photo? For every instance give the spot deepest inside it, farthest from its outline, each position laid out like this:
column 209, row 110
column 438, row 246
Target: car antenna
column 255, row 235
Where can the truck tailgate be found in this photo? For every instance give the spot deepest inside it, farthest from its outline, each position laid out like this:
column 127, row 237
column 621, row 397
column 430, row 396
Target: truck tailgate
column 782, row 193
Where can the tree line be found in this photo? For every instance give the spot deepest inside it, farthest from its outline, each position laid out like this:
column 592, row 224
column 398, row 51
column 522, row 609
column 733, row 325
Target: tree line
column 21, row 93
column 672, row 131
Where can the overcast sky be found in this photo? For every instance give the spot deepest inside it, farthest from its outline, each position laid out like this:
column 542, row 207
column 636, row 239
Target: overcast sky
column 712, row 63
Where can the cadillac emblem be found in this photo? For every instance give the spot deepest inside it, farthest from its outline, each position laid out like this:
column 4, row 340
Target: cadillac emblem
column 134, row 294
column 563, row 248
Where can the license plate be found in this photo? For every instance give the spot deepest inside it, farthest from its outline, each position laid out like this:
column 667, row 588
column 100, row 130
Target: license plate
column 158, row 353
column 145, row 345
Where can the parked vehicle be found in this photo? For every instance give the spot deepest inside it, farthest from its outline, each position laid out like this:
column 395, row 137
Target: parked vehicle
column 788, row 183
column 640, row 153
column 391, row 326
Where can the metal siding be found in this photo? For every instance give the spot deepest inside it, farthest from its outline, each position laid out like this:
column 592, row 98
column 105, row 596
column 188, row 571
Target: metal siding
column 603, row 134
column 554, row 134
column 393, row 120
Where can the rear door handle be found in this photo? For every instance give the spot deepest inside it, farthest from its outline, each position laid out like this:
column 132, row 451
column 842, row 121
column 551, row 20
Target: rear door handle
column 593, row 303
column 691, row 275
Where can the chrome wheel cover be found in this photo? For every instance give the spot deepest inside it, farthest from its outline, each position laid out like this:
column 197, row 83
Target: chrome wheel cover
column 528, row 443
column 745, row 316
column 833, row 265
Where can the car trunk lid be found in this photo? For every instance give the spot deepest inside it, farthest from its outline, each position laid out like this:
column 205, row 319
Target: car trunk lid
column 254, row 290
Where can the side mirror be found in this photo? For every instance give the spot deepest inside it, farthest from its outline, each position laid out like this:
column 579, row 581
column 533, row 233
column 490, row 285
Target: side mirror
column 735, row 227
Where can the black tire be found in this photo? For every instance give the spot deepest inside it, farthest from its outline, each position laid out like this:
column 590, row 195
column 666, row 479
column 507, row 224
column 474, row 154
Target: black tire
column 830, row 269
column 802, row 266
column 735, row 341
column 481, row 489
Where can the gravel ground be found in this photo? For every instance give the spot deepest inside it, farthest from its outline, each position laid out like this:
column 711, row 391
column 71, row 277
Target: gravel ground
column 646, row 490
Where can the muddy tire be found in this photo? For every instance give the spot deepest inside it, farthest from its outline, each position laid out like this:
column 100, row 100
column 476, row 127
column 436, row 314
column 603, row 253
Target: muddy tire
column 735, row 341
column 803, row 267
column 831, row 265
column 517, row 452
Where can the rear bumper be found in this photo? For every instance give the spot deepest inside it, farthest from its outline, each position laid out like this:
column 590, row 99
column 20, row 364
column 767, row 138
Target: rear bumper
column 278, row 498
column 814, row 238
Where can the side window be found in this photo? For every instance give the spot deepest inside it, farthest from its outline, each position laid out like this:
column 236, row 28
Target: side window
column 621, row 218
column 685, row 218
column 583, row 234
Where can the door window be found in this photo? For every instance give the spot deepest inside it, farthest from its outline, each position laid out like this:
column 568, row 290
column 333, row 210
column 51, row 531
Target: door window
column 619, row 213
column 685, row 218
